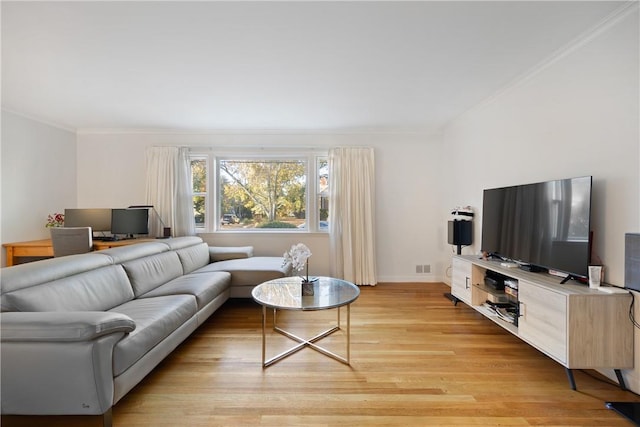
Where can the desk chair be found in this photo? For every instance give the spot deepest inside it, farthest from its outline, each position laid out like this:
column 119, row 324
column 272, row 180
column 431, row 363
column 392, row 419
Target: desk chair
column 71, row 240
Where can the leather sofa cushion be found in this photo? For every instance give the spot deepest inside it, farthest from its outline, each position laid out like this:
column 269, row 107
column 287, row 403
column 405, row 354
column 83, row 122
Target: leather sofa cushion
column 224, row 253
column 150, row 272
column 35, row 273
column 96, row 290
column 194, row 257
column 205, row 287
column 126, row 253
column 250, row 271
column 155, row 319
column 181, row 242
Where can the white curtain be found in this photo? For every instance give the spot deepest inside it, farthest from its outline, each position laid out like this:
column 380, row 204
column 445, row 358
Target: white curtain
column 169, row 189
column 351, row 214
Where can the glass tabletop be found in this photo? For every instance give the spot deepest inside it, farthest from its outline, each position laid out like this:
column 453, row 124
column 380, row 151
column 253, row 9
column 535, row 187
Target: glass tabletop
column 286, row 294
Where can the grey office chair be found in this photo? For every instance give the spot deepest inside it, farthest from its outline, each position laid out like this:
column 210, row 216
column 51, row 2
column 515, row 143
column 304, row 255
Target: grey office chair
column 71, row 240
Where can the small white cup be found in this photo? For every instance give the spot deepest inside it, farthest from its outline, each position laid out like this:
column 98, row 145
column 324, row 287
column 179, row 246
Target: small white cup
column 595, row 276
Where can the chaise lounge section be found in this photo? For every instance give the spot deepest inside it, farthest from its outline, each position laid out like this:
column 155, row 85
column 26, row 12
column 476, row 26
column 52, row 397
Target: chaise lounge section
column 79, row 332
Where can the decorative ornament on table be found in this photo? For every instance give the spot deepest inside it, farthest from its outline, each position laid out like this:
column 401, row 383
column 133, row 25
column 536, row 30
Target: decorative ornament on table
column 55, row 220
column 298, row 256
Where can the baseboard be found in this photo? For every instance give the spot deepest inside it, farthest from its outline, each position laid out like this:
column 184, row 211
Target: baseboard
column 418, row 278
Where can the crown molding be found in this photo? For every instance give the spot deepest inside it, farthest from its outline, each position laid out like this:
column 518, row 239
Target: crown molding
column 40, row 120
column 610, row 21
column 151, row 131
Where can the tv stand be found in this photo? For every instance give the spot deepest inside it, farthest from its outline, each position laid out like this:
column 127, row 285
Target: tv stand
column 569, row 277
column 533, row 268
column 578, row 327
column 493, row 255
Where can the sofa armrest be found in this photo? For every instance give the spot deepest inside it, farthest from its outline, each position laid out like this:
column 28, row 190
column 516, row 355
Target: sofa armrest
column 62, row 326
column 225, row 253
column 59, row 363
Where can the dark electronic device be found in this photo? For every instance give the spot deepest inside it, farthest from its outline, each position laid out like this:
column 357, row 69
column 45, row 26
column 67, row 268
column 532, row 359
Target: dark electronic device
column 632, row 261
column 166, row 231
column 494, row 280
column 546, row 224
column 97, row 219
column 129, row 222
column 459, row 232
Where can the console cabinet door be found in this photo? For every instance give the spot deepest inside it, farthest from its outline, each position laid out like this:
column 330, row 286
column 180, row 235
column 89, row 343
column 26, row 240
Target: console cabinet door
column 543, row 320
column 461, row 280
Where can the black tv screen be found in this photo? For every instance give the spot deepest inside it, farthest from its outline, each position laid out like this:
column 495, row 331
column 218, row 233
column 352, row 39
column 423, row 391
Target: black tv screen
column 545, row 224
column 130, row 221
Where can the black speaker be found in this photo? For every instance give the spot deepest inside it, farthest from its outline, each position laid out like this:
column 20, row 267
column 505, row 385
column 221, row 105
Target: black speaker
column 632, row 261
column 460, row 232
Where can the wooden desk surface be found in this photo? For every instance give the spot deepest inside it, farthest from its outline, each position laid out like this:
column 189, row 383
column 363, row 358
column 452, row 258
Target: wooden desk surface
column 99, row 245
column 43, row 248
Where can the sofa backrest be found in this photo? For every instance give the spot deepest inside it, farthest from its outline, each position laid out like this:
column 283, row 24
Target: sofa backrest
column 122, row 254
column 182, row 242
column 33, row 274
column 152, row 271
column 193, row 257
column 99, row 280
column 95, row 290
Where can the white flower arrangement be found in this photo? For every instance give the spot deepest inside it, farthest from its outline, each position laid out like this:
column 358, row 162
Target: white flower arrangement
column 298, row 256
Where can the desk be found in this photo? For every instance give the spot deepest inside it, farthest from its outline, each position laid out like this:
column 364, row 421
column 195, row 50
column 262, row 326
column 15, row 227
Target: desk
column 43, row 248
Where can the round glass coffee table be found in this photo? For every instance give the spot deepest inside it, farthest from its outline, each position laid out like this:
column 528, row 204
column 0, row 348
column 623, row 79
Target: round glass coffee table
column 286, row 294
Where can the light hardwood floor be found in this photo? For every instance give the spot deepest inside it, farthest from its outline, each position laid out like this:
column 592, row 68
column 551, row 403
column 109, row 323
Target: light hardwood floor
column 416, row 360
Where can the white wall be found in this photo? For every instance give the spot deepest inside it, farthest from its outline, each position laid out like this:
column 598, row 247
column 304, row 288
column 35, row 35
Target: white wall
column 111, row 173
column 578, row 116
column 38, row 176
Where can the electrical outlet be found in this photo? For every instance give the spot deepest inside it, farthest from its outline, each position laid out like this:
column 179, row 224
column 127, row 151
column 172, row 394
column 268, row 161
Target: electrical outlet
column 418, row 269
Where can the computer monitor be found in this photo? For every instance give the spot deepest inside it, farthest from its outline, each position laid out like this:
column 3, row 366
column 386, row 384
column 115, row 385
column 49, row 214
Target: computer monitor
column 98, row 219
column 129, row 222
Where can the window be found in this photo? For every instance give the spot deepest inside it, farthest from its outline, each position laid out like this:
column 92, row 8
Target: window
column 199, row 186
column 265, row 193
column 323, row 193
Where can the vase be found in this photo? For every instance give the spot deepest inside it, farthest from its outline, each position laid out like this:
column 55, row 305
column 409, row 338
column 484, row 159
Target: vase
column 307, row 288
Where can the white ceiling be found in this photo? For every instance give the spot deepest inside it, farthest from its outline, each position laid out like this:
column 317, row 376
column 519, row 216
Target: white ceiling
column 321, row 66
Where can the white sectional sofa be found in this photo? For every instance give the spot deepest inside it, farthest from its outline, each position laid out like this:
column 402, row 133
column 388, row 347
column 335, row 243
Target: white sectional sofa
column 79, row 332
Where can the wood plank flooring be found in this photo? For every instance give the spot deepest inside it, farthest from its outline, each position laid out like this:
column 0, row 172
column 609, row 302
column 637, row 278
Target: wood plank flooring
column 416, row 360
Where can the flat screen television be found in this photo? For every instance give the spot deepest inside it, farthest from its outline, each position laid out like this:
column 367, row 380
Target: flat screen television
column 129, row 222
column 542, row 225
column 98, row 219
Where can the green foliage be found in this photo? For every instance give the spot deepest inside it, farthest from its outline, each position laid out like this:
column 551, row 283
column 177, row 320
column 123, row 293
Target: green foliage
column 266, row 188
column 276, row 224
column 198, row 210
column 199, row 180
column 264, row 193
column 293, row 202
column 199, row 175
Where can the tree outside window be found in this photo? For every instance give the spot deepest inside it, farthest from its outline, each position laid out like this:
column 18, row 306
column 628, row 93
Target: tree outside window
column 264, row 193
column 254, row 194
column 323, row 194
column 199, row 181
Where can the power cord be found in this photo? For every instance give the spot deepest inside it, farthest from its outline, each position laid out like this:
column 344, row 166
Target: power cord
column 604, row 380
column 631, row 315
